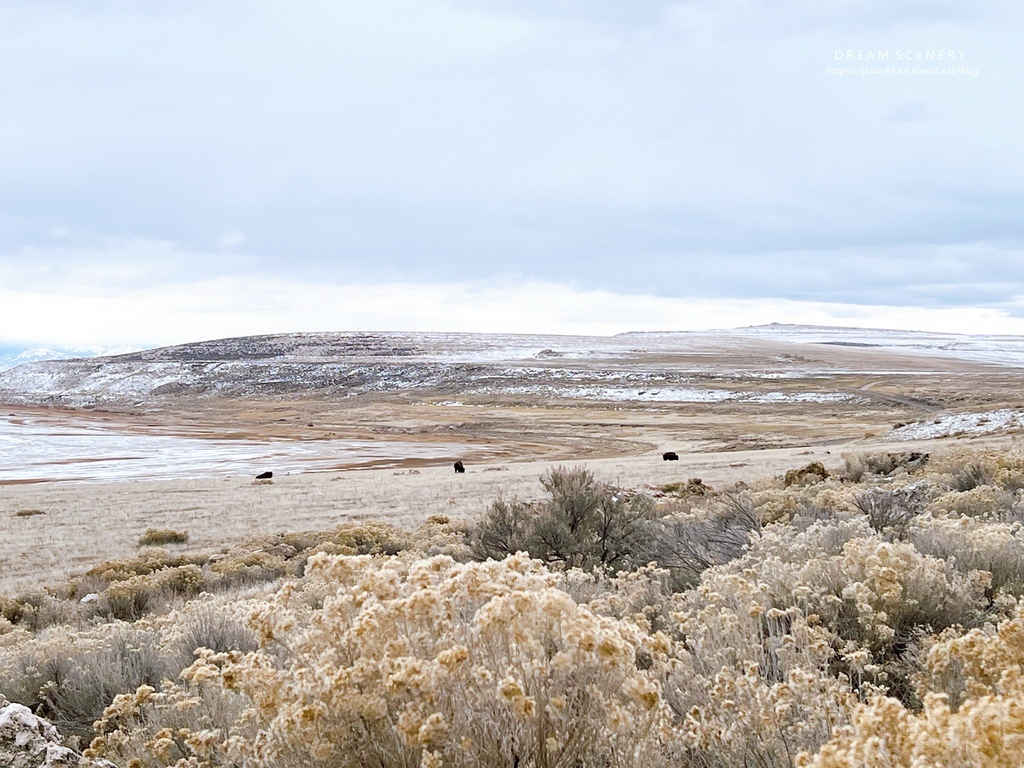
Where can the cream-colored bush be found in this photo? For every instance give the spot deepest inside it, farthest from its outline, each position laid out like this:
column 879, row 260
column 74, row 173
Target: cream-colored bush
column 812, row 629
column 986, row 730
column 821, row 500
column 986, row 501
column 398, row 660
column 969, row 543
column 870, row 591
column 967, row 468
column 776, row 641
column 69, row 677
column 427, row 662
column 750, row 683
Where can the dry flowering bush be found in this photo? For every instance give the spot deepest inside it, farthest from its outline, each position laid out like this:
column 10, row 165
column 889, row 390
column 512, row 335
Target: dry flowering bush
column 245, row 568
column 185, row 725
column 775, row 504
column 879, row 593
column 440, row 535
column 134, row 597
column 149, row 560
column 983, row 730
column 969, row 543
column 834, row 623
column 644, row 596
column 776, row 642
column 870, row 600
column 69, row 677
column 985, row 501
column 158, row 537
column 425, row 662
column 963, row 469
column 367, row 538
column 34, row 611
column 749, row 684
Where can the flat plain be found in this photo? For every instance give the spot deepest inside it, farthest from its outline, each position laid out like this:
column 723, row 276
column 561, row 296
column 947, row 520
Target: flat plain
column 734, row 407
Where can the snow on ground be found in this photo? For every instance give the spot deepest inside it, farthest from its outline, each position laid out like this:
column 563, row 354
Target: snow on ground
column 960, row 424
column 40, row 450
column 673, row 395
column 987, row 348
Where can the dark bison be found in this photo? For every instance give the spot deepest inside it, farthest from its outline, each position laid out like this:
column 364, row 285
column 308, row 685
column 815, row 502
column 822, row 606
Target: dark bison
column 670, row 456
column 459, row 469
column 264, row 475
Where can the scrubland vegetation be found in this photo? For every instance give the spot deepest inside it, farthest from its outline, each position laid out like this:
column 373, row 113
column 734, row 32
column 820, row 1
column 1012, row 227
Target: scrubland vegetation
column 869, row 617
column 156, row 537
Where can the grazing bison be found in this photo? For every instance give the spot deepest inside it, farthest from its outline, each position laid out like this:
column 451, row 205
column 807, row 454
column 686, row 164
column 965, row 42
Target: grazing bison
column 264, row 475
column 670, row 456
column 459, row 469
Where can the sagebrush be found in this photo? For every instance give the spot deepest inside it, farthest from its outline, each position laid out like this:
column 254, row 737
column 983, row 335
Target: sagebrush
column 867, row 616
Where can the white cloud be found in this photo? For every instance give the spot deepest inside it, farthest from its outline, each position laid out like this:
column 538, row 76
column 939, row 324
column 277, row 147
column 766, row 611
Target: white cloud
column 90, row 264
column 92, row 290
column 696, row 148
column 231, row 239
column 235, row 306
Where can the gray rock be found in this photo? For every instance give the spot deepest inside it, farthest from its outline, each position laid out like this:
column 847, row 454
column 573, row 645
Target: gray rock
column 28, row 741
column 282, row 550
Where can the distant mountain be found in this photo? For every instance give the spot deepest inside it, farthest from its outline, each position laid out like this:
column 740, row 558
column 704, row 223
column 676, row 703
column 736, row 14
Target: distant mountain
column 12, row 359
column 668, row 366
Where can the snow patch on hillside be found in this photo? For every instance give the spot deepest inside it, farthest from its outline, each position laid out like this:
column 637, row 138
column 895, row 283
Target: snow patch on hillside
column 986, row 348
column 672, row 394
column 960, row 424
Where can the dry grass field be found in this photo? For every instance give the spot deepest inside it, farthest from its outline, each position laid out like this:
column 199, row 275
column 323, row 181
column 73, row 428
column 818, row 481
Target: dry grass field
column 84, row 523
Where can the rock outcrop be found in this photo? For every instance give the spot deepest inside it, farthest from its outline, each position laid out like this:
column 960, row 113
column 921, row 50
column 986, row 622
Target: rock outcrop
column 28, row 741
column 814, row 472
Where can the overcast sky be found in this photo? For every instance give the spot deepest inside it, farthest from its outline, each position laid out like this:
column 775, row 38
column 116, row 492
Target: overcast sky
column 172, row 171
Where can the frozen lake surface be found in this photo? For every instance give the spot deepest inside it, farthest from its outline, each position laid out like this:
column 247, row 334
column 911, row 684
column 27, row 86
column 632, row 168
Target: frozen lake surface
column 46, row 450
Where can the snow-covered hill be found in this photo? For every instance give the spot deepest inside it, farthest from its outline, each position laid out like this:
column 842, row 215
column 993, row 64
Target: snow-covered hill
column 673, row 366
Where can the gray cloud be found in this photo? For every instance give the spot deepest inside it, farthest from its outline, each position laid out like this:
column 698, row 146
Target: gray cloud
column 912, row 112
column 677, row 149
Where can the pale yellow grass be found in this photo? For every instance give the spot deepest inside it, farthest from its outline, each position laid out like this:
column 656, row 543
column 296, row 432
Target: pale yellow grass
column 85, row 523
